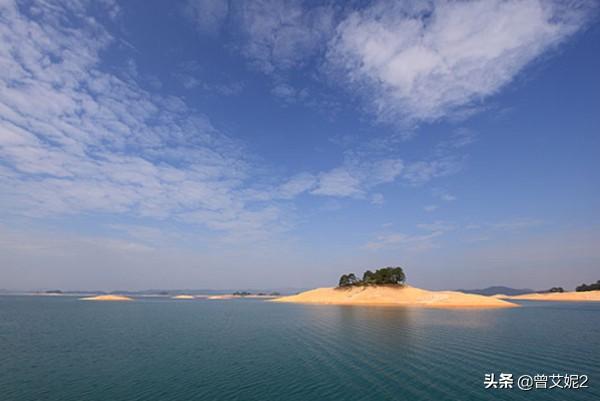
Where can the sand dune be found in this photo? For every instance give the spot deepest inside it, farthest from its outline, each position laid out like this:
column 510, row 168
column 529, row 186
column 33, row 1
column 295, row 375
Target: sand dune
column 183, row 296
column 222, row 296
column 395, row 296
column 572, row 296
column 107, row 298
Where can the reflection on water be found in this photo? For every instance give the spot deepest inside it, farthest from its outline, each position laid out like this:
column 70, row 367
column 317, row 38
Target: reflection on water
column 63, row 349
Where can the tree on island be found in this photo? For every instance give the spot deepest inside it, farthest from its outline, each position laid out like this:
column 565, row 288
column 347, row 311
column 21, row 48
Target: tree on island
column 348, row 280
column 368, row 277
column 592, row 287
column 386, row 275
column 553, row 289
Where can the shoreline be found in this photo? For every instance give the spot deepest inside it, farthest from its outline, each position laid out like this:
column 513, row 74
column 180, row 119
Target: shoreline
column 107, row 298
column 570, row 296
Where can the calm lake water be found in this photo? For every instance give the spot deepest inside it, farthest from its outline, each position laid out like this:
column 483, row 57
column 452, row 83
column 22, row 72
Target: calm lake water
column 60, row 348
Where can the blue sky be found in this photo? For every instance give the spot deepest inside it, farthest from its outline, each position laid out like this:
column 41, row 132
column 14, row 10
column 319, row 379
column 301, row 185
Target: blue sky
column 215, row 144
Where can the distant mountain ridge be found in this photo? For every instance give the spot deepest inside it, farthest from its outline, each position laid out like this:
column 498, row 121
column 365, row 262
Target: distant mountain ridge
column 499, row 290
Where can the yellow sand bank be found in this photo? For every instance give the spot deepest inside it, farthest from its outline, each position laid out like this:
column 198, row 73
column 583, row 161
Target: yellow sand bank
column 395, row 296
column 501, row 296
column 182, row 296
column 107, row 298
column 572, row 296
column 224, row 296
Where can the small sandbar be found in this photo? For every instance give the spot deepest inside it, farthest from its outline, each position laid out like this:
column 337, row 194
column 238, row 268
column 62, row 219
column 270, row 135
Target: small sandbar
column 222, row 296
column 500, row 296
column 183, row 296
column 391, row 295
column 107, row 298
column 571, row 296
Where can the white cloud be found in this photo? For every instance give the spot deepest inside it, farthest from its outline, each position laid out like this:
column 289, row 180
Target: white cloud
column 355, row 178
column 430, row 208
column 284, row 91
column 427, row 60
column 189, row 81
column 424, row 171
column 296, row 185
column 288, row 93
column 458, row 139
column 419, row 242
column 443, row 195
column 339, row 182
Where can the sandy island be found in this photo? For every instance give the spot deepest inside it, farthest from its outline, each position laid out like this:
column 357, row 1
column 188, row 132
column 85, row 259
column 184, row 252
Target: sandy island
column 222, row 296
column 572, row 296
column 107, row 298
column 500, row 296
column 395, row 296
column 183, row 296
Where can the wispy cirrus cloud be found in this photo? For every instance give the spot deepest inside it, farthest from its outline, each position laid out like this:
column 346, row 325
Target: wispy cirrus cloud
column 510, row 224
column 430, row 208
column 423, row 171
column 518, row 224
column 411, row 242
column 355, row 178
column 410, row 61
column 419, row 241
column 75, row 138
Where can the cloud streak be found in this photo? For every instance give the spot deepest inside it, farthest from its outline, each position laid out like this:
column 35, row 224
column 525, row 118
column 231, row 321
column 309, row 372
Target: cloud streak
column 409, row 61
column 411, row 242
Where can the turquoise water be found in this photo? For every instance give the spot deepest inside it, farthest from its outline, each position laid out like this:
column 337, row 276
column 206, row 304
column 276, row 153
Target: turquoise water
column 59, row 348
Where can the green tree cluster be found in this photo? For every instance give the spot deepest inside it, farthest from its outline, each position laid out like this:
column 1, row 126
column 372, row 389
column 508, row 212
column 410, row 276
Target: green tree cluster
column 591, row 287
column 386, row 275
